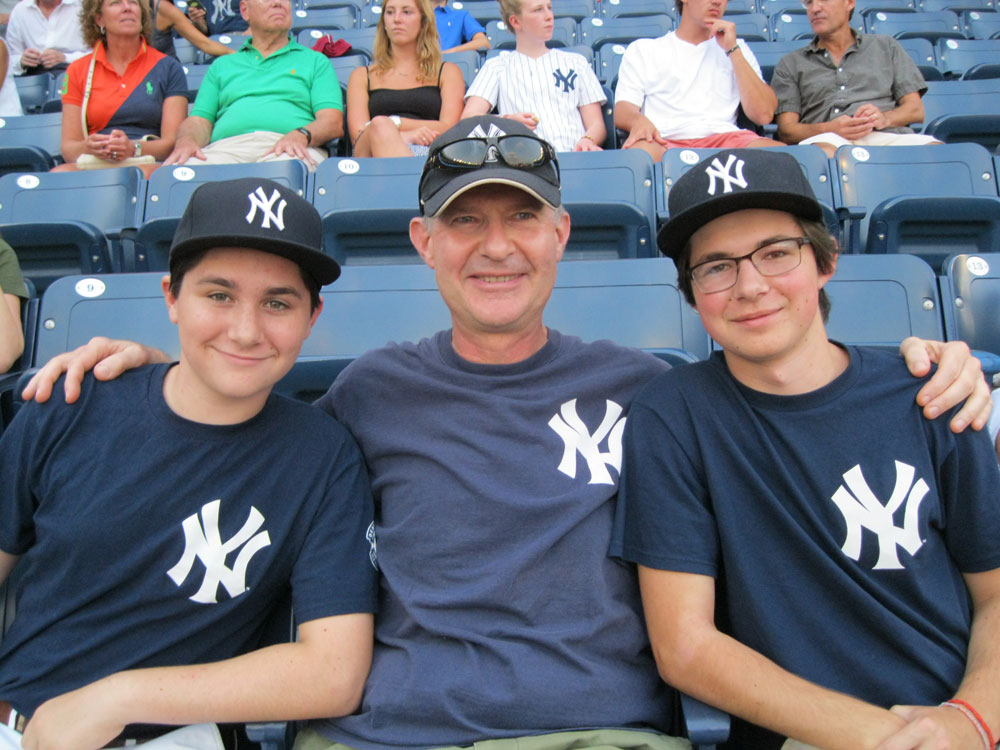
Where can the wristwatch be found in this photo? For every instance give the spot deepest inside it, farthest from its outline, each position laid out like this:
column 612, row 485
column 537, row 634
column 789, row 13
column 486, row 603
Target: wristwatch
column 307, row 134
column 138, row 149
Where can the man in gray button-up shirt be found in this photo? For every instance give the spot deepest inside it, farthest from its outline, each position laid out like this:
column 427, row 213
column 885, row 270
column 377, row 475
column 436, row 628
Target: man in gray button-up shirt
column 846, row 87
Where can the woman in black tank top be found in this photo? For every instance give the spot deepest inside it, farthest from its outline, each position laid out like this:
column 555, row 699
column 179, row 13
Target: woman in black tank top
column 400, row 103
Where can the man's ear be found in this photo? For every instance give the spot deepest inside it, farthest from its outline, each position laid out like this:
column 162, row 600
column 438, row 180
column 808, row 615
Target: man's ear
column 420, row 236
column 169, row 298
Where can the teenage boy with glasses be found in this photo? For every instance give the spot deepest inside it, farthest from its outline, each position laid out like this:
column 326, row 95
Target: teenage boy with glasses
column 850, row 543
column 501, row 617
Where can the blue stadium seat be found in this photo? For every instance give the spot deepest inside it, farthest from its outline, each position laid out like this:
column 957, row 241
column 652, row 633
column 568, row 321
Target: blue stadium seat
column 324, row 18
column 970, row 292
column 33, row 91
column 963, row 111
column 787, row 27
column 750, row 27
column 345, row 64
column 880, row 300
column 739, row 7
column 982, row 70
column 611, row 198
column 233, row 40
column 575, row 9
column 357, row 5
column 361, row 40
column 892, row 6
column 982, row 25
column 468, row 61
column 596, row 31
column 167, row 195
column 608, row 112
column 920, row 50
column 625, row 8
column 929, row 25
column 565, row 33
column 482, row 10
column 187, row 53
column 109, row 199
column 958, row 6
column 928, row 201
column 366, row 205
column 49, row 251
column 608, row 58
column 54, row 102
column 955, row 56
column 195, row 74
column 43, row 131
column 768, row 54
column 25, row 159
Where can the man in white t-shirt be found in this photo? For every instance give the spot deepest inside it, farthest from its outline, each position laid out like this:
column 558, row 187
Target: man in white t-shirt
column 551, row 91
column 684, row 89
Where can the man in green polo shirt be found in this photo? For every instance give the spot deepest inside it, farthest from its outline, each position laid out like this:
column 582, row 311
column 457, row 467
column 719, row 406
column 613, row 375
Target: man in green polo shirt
column 273, row 99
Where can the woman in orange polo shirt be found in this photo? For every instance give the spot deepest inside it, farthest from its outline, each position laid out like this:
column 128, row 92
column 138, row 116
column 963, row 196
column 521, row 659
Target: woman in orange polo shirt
column 134, row 97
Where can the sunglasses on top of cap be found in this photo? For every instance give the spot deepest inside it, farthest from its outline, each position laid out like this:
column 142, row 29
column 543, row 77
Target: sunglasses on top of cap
column 517, row 151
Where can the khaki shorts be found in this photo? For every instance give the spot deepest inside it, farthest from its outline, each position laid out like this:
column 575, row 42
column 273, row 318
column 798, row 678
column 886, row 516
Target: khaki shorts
column 587, row 739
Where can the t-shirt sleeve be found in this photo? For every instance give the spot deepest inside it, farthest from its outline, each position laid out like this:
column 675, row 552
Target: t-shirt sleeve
column 969, row 482
column 206, row 103
column 176, row 81
column 590, row 88
column 906, row 76
column 11, row 278
column 630, row 86
column 470, row 27
column 663, row 515
column 75, row 81
column 335, row 572
column 325, row 91
column 786, row 87
column 486, row 84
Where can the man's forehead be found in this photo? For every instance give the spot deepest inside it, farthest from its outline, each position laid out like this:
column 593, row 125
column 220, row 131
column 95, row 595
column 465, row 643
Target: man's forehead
column 483, row 196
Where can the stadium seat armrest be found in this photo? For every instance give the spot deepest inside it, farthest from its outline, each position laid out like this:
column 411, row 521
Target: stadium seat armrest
column 706, row 725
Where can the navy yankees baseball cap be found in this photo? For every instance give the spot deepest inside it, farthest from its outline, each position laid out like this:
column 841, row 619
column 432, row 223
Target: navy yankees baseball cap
column 734, row 180
column 487, row 150
column 259, row 214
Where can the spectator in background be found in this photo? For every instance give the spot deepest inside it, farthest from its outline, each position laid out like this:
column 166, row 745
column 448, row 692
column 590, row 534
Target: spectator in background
column 458, row 30
column 12, row 291
column 10, row 100
column 167, row 18
column 684, row 89
column 273, row 99
column 402, row 102
column 44, row 35
column 125, row 99
column 553, row 92
column 224, row 16
column 846, row 87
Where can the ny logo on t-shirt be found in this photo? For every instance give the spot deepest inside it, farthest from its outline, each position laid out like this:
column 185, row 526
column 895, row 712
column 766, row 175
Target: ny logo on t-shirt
column 862, row 509
column 566, row 80
column 203, row 541
column 578, row 439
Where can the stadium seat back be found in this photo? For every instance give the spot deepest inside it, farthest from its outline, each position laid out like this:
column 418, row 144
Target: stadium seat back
column 597, row 31
column 42, row 131
column 970, row 291
column 49, row 250
column 931, row 25
column 955, row 56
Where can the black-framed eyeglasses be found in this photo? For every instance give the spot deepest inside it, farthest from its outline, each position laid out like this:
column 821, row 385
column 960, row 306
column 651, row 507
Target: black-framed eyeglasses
column 518, row 151
column 770, row 259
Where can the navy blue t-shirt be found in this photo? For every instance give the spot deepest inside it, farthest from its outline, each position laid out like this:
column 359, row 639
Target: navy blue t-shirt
column 837, row 523
column 151, row 540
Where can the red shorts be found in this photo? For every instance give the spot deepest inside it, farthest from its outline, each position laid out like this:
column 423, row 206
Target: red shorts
column 733, row 139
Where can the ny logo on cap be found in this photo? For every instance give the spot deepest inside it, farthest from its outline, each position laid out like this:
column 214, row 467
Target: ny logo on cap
column 259, row 200
column 478, row 132
column 716, row 169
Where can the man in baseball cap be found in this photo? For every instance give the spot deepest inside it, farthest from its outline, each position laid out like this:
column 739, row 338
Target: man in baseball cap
column 162, row 517
column 790, row 488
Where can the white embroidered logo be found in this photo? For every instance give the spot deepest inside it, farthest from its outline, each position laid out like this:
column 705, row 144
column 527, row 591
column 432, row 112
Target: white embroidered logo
column 568, row 425
column 478, row 132
column 716, row 169
column 259, row 200
column 204, row 542
column 862, row 509
column 220, row 9
column 372, row 545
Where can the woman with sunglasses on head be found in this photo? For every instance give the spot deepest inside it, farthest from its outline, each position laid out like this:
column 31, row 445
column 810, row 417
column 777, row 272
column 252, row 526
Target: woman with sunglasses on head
column 398, row 105
column 125, row 99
